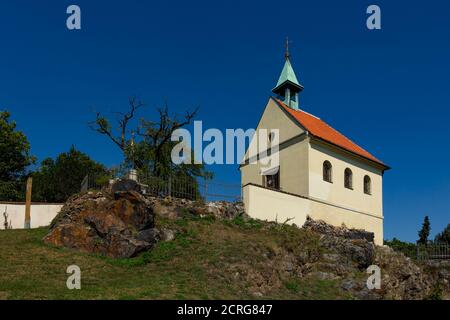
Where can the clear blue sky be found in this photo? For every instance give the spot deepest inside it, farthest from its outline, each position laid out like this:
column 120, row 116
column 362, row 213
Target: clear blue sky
column 387, row 90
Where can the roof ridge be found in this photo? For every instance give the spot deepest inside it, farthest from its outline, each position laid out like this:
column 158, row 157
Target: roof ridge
column 301, row 110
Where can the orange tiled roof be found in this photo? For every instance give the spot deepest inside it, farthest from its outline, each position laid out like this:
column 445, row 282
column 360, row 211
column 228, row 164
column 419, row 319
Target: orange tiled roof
column 320, row 129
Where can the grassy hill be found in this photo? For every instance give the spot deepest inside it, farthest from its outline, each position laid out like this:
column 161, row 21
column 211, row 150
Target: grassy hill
column 208, row 259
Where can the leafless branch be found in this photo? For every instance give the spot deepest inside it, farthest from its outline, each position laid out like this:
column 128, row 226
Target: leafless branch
column 102, row 126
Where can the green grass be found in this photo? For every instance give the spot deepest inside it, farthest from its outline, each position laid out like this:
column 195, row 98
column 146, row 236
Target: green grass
column 208, row 259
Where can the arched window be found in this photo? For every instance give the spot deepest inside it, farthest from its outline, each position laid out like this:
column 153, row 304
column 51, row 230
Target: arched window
column 327, row 171
column 348, row 178
column 367, row 185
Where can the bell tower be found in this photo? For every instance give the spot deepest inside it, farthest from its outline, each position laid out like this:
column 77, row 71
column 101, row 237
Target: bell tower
column 288, row 88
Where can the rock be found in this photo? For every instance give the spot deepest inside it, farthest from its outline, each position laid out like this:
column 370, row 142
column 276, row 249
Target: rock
column 225, row 210
column 167, row 234
column 348, row 245
column 124, row 185
column 323, row 275
column 343, row 232
column 348, row 284
column 360, row 252
column 117, row 224
column 165, row 211
column 174, row 208
column 401, row 277
column 149, row 235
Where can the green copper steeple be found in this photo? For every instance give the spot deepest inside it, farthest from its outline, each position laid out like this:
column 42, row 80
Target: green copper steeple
column 288, row 87
column 287, row 74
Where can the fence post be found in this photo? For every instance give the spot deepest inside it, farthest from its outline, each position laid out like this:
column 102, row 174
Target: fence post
column 84, row 183
column 28, row 203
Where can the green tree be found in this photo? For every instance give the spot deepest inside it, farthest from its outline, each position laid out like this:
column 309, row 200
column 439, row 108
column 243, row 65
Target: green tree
column 424, row 233
column 407, row 248
column 444, row 236
column 56, row 180
column 15, row 157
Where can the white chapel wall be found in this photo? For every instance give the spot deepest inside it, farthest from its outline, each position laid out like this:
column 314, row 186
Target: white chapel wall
column 335, row 192
column 270, row 205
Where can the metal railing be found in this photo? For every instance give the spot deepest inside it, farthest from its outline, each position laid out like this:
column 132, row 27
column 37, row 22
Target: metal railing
column 90, row 183
column 178, row 187
column 422, row 252
column 433, row 251
column 190, row 188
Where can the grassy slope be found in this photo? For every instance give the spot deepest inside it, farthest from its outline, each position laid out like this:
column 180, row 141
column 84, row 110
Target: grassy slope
column 200, row 263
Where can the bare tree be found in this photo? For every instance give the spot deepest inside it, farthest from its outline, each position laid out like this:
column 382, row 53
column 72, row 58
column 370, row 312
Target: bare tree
column 103, row 126
column 152, row 151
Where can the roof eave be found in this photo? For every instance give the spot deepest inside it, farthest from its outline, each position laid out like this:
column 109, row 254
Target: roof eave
column 296, row 85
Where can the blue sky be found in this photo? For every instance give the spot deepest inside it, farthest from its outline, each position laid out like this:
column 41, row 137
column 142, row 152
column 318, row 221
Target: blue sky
column 388, row 90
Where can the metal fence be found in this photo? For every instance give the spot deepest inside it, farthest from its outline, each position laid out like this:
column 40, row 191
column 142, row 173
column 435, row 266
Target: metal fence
column 433, row 251
column 430, row 251
column 178, row 187
column 190, row 188
column 90, row 182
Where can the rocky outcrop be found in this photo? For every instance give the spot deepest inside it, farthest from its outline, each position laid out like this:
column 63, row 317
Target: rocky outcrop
column 174, row 208
column 355, row 246
column 342, row 232
column 115, row 224
column 119, row 221
column 350, row 251
column 402, row 278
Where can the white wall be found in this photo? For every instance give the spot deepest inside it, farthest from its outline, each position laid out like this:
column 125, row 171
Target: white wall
column 41, row 214
column 335, row 192
column 264, row 204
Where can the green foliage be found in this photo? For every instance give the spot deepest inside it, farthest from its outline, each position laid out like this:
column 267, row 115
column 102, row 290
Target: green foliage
column 56, row 180
column 15, row 157
column 444, row 236
column 407, row 248
column 436, row 293
column 292, row 285
column 245, row 223
column 424, row 233
column 12, row 190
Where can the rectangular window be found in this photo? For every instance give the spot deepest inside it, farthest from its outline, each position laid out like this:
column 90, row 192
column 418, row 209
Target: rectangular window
column 272, row 181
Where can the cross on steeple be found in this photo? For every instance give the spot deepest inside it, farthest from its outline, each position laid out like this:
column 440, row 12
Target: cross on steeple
column 286, row 54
